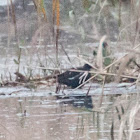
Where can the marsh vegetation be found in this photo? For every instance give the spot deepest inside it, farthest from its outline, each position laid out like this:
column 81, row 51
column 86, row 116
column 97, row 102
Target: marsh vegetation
column 40, row 39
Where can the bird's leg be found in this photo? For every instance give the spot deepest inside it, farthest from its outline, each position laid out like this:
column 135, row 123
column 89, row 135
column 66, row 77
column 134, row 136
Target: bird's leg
column 58, row 87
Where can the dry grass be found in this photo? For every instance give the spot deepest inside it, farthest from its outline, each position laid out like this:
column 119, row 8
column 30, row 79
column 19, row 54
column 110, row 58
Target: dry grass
column 44, row 63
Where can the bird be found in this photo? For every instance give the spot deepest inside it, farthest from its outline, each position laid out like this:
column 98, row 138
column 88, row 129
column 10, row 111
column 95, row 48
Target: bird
column 74, row 78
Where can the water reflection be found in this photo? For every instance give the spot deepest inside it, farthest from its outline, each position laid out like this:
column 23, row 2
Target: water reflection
column 53, row 118
column 77, row 101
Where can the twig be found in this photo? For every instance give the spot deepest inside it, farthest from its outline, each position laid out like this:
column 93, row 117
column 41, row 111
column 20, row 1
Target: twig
column 136, row 64
column 14, row 92
column 87, row 62
column 101, row 98
column 88, row 90
column 98, row 73
column 121, row 58
column 65, row 53
column 86, row 81
column 72, row 30
column 101, row 9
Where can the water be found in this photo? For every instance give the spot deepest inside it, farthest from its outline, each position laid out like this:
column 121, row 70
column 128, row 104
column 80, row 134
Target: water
column 49, row 118
column 32, row 115
column 4, row 2
column 55, row 117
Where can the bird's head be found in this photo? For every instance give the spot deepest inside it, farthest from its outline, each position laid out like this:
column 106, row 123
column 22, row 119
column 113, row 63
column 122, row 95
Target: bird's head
column 87, row 67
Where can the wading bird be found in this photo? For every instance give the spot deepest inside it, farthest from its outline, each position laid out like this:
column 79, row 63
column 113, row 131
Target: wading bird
column 75, row 78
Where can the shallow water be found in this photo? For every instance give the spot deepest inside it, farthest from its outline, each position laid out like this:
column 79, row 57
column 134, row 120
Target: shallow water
column 49, row 118
column 55, row 118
